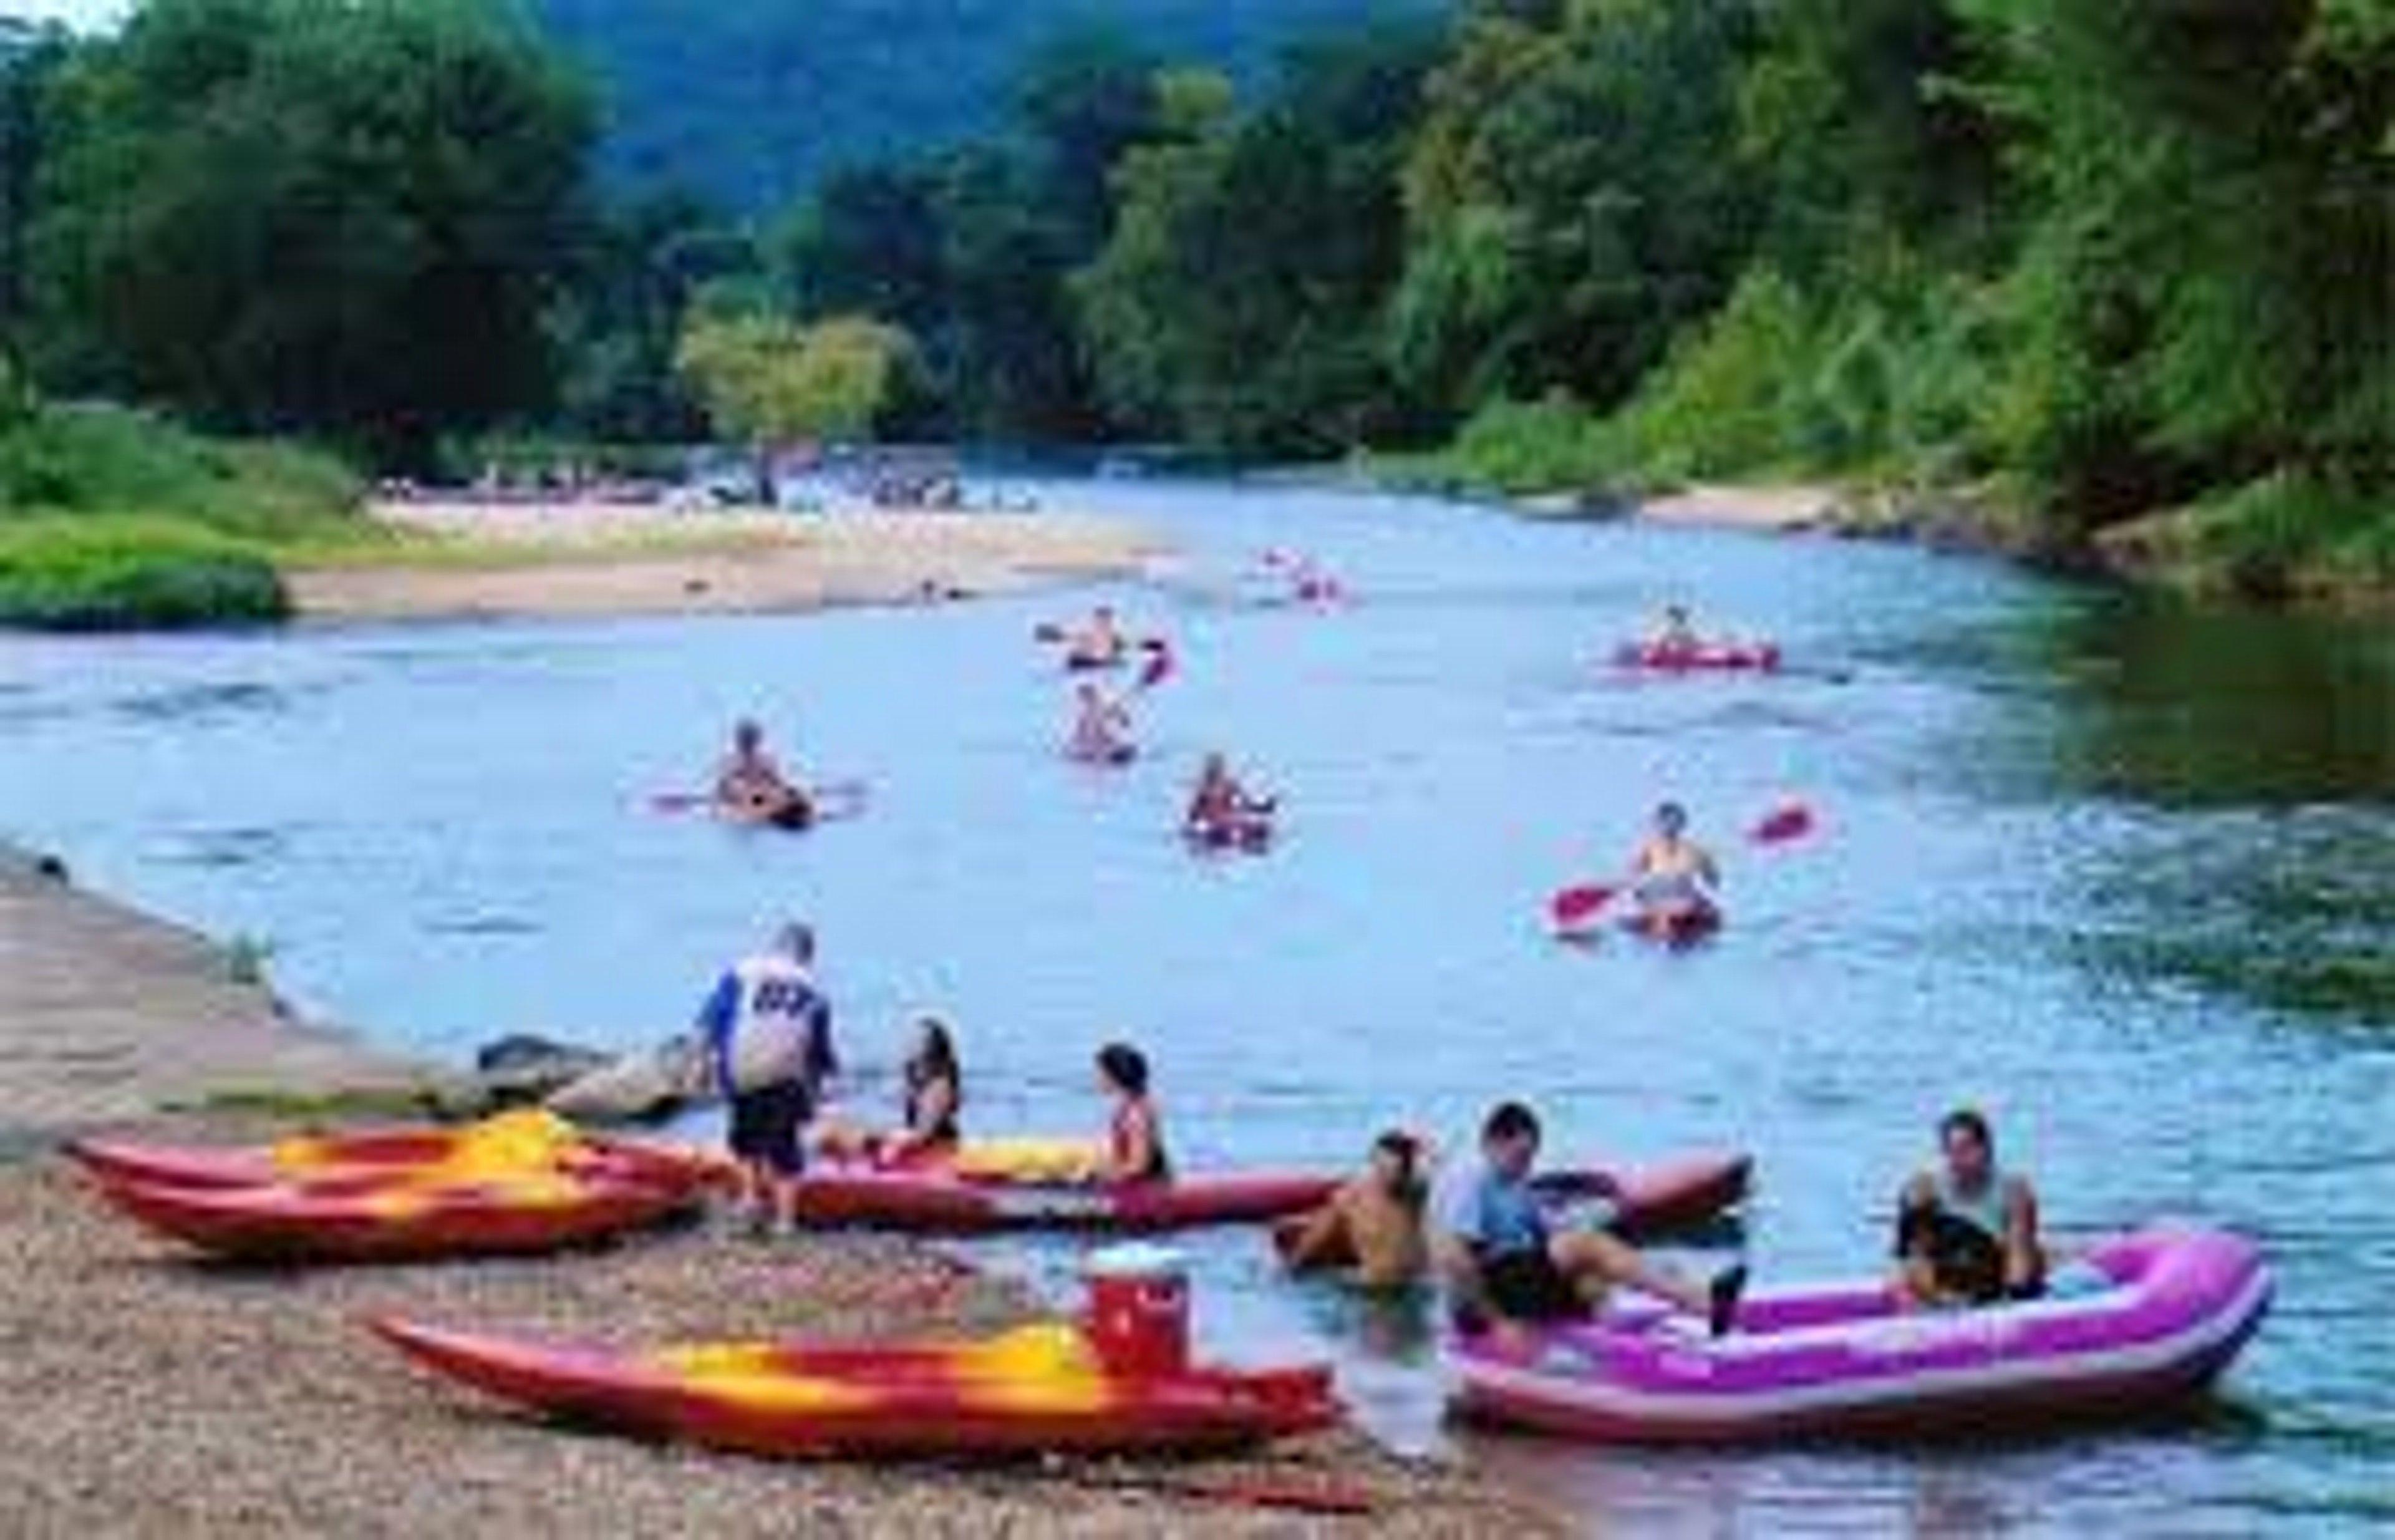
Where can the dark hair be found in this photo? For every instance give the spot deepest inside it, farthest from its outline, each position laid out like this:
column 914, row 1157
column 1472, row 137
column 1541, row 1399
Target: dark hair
column 1126, row 1066
column 1672, row 811
column 1967, row 1119
column 937, row 1058
column 1510, row 1120
column 1408, row 1149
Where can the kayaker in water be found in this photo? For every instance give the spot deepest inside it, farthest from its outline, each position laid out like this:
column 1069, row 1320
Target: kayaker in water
column 1099, row 644
column 1374, row 1225
column 751, row 787
column 1135, row 1147
column 1506, row 1271
column 1675, row 636
column 767, row 1029
column 1102, row 731
column 1221, row 811
column 934, row 1082
column 1967, row 1231
column 1673, row 878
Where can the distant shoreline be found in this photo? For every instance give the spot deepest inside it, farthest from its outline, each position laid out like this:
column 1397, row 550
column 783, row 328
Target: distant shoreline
column 468, row 560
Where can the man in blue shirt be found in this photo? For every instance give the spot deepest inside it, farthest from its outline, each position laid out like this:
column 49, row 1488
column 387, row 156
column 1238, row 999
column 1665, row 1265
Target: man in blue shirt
column 1506, row 1270
column 767, row 1031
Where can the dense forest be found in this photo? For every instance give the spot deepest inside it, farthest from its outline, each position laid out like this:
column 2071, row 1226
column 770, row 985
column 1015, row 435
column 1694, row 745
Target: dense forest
column 749, row 102
column 2100, row 265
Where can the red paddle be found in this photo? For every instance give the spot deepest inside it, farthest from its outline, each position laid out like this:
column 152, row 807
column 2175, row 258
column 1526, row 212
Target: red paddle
column 1159, row 666
column 1575, row 907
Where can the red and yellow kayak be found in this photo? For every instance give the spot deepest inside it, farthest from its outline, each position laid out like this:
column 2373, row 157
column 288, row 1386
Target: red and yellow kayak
column 399, row 1154
column 1041, row 1390
column 372, row 1219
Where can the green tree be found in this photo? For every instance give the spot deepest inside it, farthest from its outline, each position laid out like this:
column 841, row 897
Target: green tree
column 333, row 216
column 1576, row 195
column 771, row 383
column 1237, row 304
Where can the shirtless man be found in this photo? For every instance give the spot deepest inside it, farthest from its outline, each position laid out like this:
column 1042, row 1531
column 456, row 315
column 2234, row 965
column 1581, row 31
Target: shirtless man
column 1673, row 878
column 1099, row 644
column 1676, row 635
column 750, row 787
column 1221, row 812
column 1372, row 1226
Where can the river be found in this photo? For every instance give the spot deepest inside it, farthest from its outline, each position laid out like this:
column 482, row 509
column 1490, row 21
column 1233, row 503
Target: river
column 2120, row 872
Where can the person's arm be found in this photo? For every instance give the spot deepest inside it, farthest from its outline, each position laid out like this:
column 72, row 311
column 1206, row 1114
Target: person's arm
column 935, row 1105
column 1138, row 1156
column 823, row 1059
column 1312, row 1240
column 2024, row 1258
column 1708, row 868
column 715, row 1021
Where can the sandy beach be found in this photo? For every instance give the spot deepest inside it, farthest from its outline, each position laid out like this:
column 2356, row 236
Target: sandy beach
column 468, row 560
column 1785, row 509
column 148, row 1393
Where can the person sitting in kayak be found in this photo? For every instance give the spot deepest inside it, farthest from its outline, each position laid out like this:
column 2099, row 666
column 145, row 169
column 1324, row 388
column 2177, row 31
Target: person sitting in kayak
column 1374, row 1224
column 1966, row 1232
column 1505, row 1271
column 1135, row 1147
column 1102, row 731
column 751, row 787
column 768, row 1034
column 1099, row 644
column 1673, row 878
column 1221, row 811
column 1675, row 636
column 934, row 1094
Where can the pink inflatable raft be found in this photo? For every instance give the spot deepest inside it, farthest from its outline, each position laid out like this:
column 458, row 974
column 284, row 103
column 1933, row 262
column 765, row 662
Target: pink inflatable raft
column 1842, row 1362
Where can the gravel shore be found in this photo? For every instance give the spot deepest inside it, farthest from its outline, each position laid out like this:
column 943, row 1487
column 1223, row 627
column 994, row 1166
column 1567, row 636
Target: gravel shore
column 147, row 1394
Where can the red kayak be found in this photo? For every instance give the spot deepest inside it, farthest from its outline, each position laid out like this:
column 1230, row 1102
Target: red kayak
column 399, row 1154
column 1039, row 1391
column 371, row 1218
column 1675, row 927
column 1759, row 657
column 1686, row 1192
column 934, row 1198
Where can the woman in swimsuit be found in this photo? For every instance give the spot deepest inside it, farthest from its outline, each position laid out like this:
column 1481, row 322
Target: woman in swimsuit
column 1134, row 1149
column 1674, row 878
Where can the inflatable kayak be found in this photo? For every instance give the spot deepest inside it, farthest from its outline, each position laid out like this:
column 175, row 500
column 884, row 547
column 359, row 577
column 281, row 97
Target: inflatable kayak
column 1037, row 1390
column 1674, row 927
column 516, row 1142
column 371, row 1218
column 2165, row 1312
column 938, row 1197
column 1642, row 1202
column 1759, row 657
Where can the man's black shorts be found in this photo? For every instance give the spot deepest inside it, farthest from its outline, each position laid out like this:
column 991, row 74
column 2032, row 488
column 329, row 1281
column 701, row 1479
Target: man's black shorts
column 767, row 1125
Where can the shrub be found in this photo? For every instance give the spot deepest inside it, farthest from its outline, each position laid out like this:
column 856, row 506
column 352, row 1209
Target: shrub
column 81, row 574
column 111, row 459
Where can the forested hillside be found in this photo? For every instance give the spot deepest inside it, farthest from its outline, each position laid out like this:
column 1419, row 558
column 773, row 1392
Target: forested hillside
column 751, row 101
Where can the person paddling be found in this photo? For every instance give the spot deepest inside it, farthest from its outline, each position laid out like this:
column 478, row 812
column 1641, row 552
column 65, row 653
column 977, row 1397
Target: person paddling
column 1135, row 1147
column 1966, row 1232
column 1221, row 810
column 1099, row 645
column 751, row 787
column 767, row 1031
column 1675, row 880
column 1507, row 1272
column 1101, row 730
column 1675, row 636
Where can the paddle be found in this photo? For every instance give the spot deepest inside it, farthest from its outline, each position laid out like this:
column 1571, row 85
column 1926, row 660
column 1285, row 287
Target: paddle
column 851, row 794
column 1574, row 907
column 1159, row 666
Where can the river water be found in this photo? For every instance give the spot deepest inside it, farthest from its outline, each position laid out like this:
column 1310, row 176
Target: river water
column 2122, row 875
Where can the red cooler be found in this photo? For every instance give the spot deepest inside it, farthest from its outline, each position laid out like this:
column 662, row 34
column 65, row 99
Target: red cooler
column 1139, row 1308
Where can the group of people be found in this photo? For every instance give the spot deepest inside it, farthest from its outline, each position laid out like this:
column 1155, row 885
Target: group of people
column 1966, row 1235
column 766, row 1033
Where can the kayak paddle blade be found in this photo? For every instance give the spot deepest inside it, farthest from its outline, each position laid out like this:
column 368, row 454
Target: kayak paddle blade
column 1575, row 907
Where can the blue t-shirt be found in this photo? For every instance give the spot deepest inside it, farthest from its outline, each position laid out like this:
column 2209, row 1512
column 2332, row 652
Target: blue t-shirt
column 1487, row 1212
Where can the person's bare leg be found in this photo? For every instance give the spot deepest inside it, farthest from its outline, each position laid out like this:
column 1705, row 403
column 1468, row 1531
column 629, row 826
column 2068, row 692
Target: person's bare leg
column 1592, row 1257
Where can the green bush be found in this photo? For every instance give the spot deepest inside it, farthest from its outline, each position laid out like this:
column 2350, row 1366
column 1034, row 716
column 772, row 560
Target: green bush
column 2287, row 531
column 1550, row 445
column 112, row 460
column 82, row 574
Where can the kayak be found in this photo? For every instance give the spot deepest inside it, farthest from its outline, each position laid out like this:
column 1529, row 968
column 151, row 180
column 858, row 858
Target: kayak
column 407, row 1153
column 1254, row 835
column 372, row 1218
column 1709, row 657
column 937, row 1197
column 1037, row 1390
column 2154, row 1318
column 1642, row 1202
column 1674, row 927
